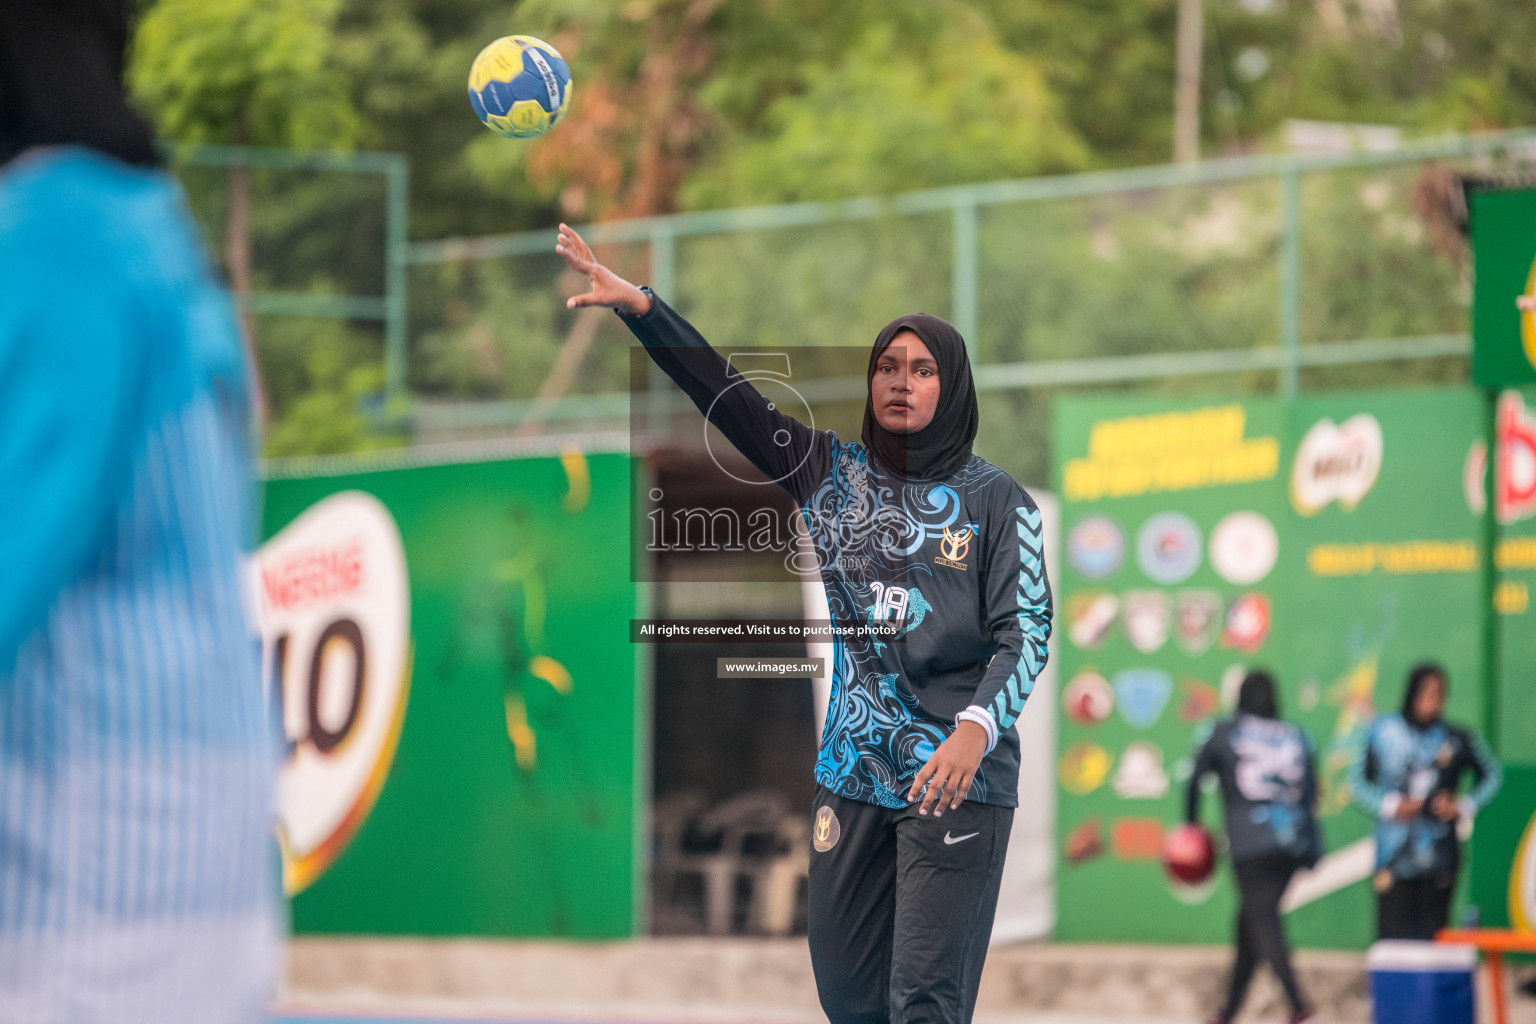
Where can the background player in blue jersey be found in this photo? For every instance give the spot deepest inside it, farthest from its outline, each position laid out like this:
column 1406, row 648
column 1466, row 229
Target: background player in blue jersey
column 1268, row 775
column 1407, row 772
column 138, row 876
column 918, row 766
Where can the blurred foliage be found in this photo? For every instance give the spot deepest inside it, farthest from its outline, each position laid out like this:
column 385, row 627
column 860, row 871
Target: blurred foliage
column 689, row 104
column 325, row 384
column 243, row 71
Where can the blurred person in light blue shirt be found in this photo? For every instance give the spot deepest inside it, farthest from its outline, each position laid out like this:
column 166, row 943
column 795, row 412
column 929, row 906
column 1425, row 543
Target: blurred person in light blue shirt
column 138, row 876
column 1408, row 771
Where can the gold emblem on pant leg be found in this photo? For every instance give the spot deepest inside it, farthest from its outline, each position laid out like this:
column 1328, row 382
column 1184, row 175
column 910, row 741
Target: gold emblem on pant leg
column 827, row 829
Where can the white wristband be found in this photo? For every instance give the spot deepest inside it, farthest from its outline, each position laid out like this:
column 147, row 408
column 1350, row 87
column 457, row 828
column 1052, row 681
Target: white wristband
column 982, row 717
column 1389, row 805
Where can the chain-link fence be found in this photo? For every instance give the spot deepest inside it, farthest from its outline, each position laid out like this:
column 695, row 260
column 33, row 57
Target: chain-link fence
column 313, row 243
column 1243, row 275
column 1253, row 274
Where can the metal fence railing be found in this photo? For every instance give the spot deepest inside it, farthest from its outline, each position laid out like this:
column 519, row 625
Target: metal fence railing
column 1273, row 273
column 323, row 235
column 1257, row 273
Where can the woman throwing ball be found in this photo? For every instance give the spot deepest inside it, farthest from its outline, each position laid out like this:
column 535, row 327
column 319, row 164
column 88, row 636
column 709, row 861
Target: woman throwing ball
column 918, row 766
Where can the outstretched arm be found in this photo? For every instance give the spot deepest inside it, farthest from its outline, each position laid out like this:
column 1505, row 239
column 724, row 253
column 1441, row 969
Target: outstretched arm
column 786, row 451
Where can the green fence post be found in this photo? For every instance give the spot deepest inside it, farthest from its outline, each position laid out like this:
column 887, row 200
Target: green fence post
column 1492, row 684
column 664, row 284
column 964, row 286
column 1290, row 282
column 664, row 264
column 397, row 237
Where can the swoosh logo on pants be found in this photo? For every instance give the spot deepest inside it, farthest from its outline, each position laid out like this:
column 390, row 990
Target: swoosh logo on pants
column 950, row 840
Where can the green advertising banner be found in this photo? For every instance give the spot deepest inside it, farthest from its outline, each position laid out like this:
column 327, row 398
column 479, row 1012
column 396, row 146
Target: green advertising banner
column 1335, row 541
column 460, row 698
column 1503, row 225
column 1504, row 861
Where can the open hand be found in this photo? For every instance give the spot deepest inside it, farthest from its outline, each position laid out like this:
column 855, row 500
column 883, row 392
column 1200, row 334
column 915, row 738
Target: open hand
column 949, row 771
column 608, row 288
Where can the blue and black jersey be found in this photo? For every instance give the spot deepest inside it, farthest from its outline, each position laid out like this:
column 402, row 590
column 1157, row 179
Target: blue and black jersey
column 1268, row 775
column 1396, row 760
column 955, row 564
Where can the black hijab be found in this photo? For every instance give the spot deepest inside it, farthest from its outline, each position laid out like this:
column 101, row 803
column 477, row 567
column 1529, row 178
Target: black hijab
column 1418, row 678
column 61, row 79
column 1258, row 695
column 944, row 444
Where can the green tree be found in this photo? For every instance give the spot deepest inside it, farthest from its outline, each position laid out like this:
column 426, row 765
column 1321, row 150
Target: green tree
column 247, row 72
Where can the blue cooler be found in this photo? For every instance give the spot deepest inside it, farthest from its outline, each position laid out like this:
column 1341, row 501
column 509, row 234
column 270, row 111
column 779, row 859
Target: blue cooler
column 1422, row 983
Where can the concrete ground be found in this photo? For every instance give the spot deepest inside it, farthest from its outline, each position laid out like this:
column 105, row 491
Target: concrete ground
column 769, row 981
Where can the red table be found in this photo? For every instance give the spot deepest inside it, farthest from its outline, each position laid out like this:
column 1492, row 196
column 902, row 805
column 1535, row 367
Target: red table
column 1494, row 942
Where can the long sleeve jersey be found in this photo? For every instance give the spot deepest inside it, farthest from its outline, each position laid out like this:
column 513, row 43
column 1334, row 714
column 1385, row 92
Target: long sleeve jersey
column 1268, row 775
column 955, row 566
column 1397, row 761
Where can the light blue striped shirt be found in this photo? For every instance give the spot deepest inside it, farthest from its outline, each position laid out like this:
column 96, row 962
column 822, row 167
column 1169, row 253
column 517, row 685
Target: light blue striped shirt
column 138, row 877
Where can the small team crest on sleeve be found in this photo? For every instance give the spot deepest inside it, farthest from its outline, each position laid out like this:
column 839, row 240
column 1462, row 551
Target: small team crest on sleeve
column 1142, row 694
column 1090, row 617
column 1095, row 547
column 1146, row 618
column 1199, row 619
column 827, row 829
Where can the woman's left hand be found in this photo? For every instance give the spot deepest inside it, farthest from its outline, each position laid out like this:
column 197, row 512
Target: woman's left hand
column 949, row 771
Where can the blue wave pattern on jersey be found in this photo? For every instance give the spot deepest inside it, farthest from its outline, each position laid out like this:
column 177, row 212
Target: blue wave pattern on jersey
column 863, row 526
column 954, row 565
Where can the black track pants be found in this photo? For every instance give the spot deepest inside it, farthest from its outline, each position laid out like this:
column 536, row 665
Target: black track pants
column 901, row 908
column 1414, row 908
column 1260, row 934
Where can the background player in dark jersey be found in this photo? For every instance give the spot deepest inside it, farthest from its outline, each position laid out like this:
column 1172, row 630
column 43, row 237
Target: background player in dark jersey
column 1407, row 773
column 914, row 532
column 1268, row 776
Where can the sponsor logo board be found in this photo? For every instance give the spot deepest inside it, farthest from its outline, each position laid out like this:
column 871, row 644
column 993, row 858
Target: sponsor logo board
column 1336, row 462
column 334, row 614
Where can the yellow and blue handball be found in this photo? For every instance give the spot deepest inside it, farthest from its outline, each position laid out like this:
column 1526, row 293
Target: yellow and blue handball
column 520, row 86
